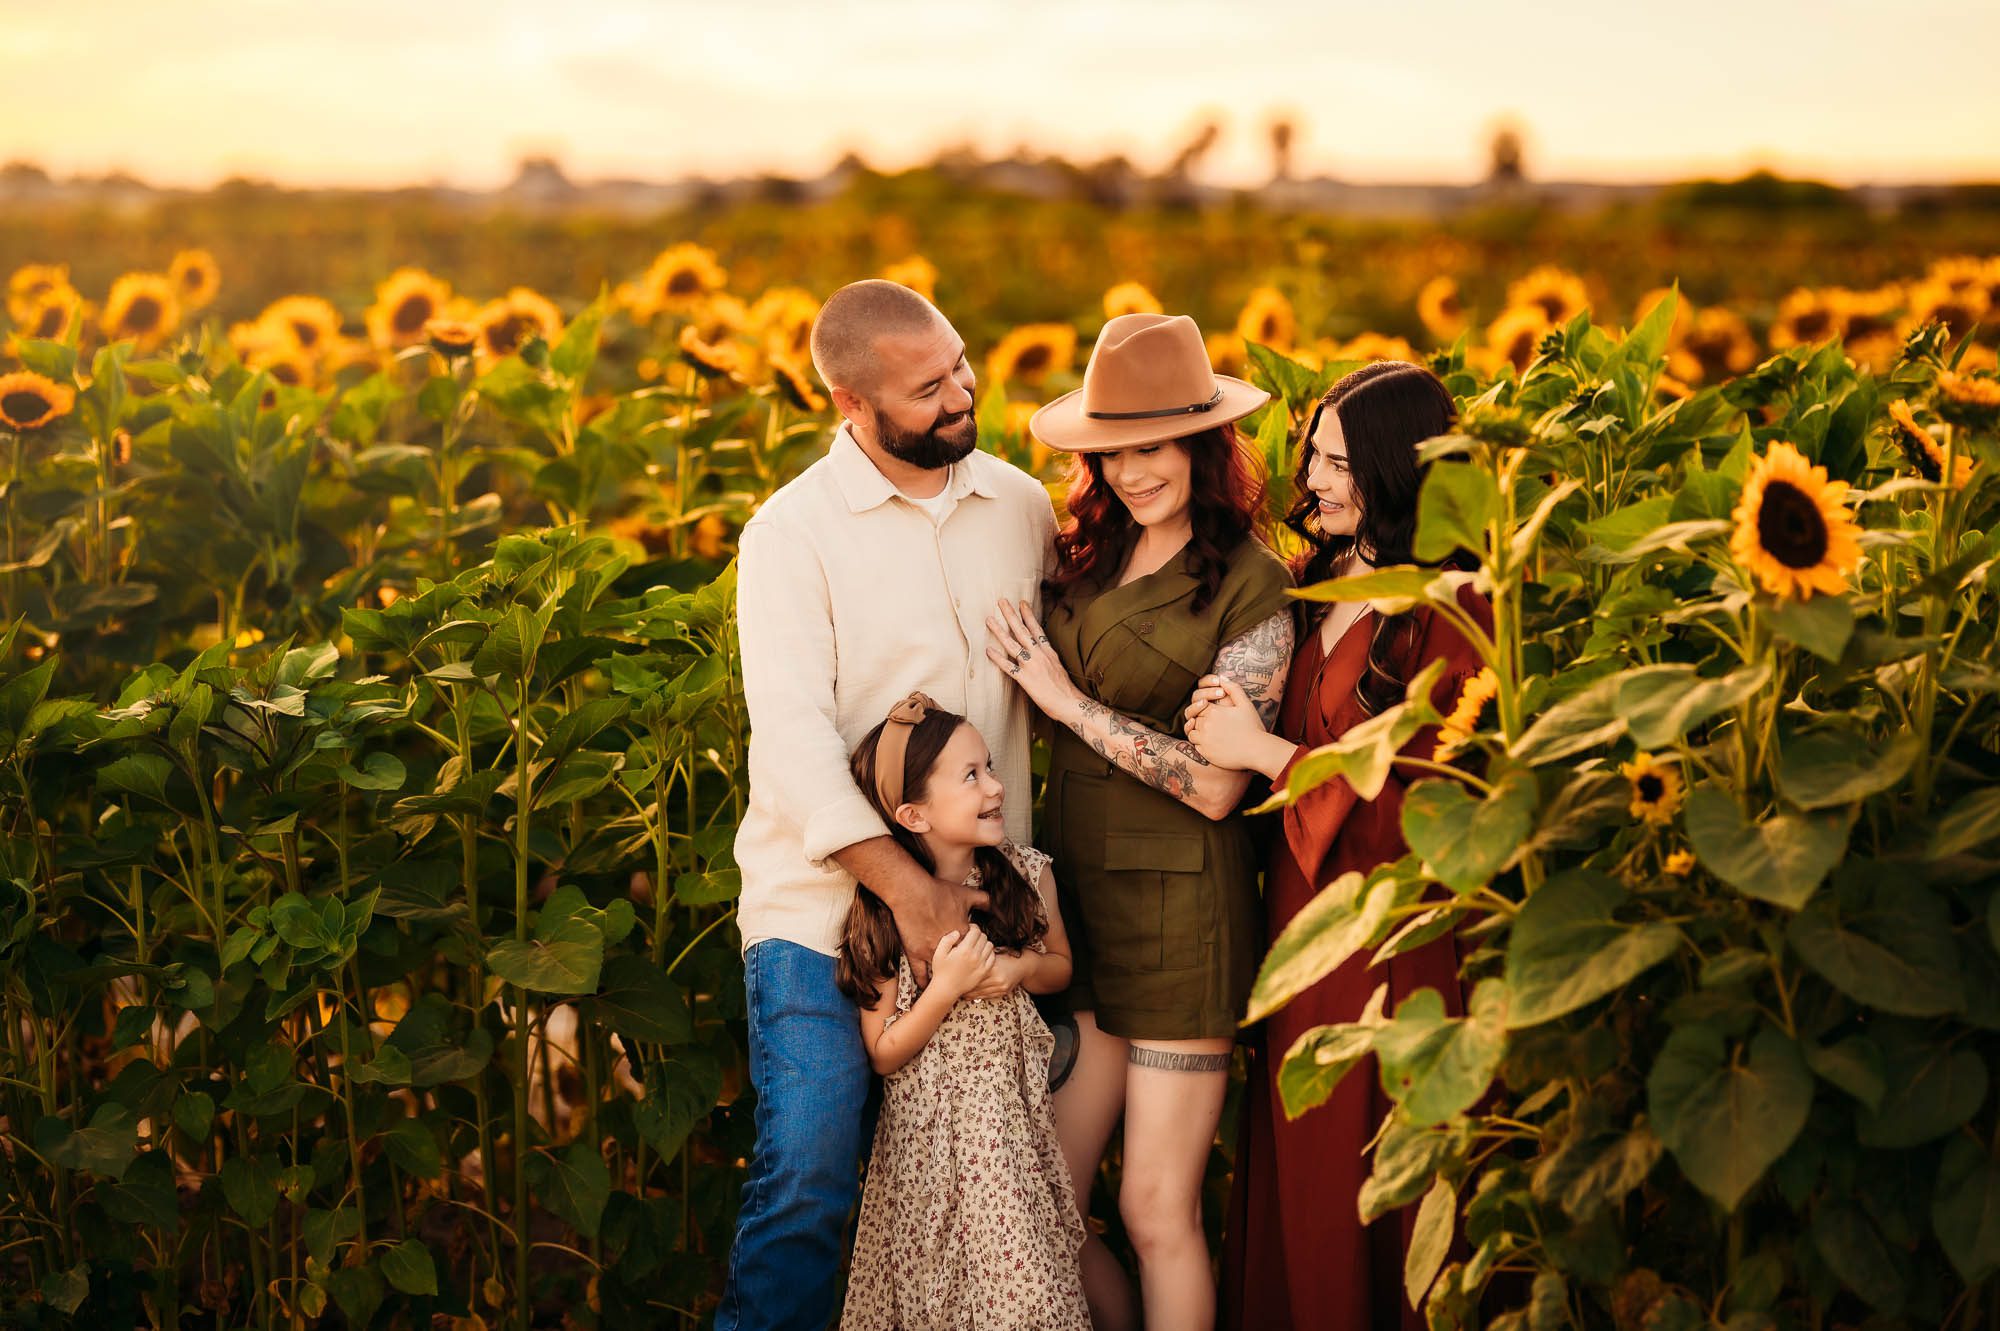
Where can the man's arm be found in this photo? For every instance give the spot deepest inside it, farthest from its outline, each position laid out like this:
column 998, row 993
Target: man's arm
column 926, row 908
column 784, row 621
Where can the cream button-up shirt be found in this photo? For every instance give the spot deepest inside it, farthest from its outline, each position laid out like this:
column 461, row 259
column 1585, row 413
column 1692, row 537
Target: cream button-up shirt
column 848, row 596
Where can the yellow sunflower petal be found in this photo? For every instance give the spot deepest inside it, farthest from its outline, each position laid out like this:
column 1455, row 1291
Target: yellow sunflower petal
column 1793, row 532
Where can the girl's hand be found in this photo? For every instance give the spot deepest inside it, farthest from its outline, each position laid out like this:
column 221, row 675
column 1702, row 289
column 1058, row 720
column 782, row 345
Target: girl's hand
column 1223, row 724
column 962, row 961
column 1017, row 644
column 1009, row 970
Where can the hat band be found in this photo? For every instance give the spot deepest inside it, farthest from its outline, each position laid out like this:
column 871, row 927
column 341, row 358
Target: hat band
column 1164, row 411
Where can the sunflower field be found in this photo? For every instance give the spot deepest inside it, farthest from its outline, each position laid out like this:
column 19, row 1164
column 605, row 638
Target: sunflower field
column 372, row 747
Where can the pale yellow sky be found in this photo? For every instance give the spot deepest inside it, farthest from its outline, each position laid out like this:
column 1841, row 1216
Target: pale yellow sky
column 373, row 92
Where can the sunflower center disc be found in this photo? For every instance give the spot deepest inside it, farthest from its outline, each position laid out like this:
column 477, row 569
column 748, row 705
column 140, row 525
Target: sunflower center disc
column 1791, row 527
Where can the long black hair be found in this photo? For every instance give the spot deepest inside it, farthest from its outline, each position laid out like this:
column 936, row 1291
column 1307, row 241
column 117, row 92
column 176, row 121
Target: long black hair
column 870, row 946
column 1385, row 410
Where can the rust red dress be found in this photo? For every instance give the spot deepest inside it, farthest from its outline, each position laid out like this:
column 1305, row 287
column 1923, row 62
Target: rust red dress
column 1296, row 1254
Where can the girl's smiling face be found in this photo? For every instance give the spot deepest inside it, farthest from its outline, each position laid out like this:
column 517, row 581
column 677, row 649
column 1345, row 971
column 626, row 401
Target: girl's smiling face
column 962, row 800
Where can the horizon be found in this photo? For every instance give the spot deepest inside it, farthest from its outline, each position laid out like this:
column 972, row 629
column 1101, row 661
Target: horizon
column 458, row 94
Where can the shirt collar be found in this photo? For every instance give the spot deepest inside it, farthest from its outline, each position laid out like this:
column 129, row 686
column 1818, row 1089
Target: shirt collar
column 865, row 487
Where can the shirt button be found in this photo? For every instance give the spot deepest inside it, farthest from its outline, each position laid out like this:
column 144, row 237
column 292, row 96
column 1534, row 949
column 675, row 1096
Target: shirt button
column 1145, row 626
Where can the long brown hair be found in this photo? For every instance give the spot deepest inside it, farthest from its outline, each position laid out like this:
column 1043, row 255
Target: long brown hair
column 1385, row 410
column 870, row 946
column 1224, row 498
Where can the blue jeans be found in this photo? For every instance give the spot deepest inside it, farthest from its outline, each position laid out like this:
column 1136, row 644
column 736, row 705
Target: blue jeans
column 810, row 1070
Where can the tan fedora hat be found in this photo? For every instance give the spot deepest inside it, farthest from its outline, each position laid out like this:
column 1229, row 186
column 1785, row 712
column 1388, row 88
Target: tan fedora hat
column 1148, row 379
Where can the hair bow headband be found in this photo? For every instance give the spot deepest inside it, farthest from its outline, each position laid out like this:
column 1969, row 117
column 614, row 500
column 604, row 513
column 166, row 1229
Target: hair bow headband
column 895, row 743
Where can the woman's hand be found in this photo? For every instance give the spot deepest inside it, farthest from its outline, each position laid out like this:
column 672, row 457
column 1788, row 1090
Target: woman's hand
column 1223, row 725
column 1017, row 644
column 962, row 962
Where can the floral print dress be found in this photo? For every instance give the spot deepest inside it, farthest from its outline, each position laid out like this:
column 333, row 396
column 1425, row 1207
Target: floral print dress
column 968, row 1221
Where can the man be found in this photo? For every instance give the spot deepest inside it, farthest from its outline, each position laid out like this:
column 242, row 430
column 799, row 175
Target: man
column 867, row 577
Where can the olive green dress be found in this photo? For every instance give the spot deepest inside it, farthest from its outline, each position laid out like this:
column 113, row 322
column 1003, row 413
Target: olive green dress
column 1159, row 900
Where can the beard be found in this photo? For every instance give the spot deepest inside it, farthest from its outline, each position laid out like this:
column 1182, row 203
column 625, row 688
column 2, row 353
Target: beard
column 943, row 442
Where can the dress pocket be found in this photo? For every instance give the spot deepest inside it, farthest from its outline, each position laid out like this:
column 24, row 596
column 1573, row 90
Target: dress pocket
column 1158, row 915
column 1150, row 670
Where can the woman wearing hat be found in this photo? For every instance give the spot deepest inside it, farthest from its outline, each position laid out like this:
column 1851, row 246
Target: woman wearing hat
column 1159, row 581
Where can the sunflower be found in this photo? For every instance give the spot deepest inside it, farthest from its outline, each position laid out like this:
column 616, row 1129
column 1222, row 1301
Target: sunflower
column 1131, row 298
column 51, row 314
column 794, row 380
column 1807, row 318
column 1656, row 789
column 453, row 339
column 1226, row 353
column 1679, row 863
column 1558, row 292
column 656, row 538
column 1958, row 272
column 1989, row 282
column 29, row 283
column 1793, row 530
column 289, row 366
column 28, row 401
column 1716, row 346
column 1267, row 320
column 1514, row 336
column 707, row 537
column 1871, row 313
column 1031, row 353
column 143, row 307
column 711, row 360
column 348, row 353
column 506, row 324
column 679, row 279
column 917, row 273
column 249, row 337
column 1957, row 308
column 312, row 322
column 1372, row 346
column 1922, row 448
column 196, row 278
column 782, row 319
column 1473, row 695
column 405, row 301
column 1442, row 308
column 1969, row 400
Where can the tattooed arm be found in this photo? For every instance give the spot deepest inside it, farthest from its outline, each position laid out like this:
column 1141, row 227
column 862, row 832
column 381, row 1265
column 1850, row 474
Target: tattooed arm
column 1256, row 660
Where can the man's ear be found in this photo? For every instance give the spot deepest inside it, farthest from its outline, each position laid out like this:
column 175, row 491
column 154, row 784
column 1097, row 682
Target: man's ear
column 851, row 405
column 912, row 818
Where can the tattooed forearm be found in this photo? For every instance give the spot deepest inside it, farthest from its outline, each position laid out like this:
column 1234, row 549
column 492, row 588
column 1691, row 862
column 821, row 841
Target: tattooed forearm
column 1258, row 661
column 1162, row 762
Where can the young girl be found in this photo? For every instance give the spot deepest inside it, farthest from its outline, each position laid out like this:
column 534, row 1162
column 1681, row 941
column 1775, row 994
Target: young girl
column 968, row 1219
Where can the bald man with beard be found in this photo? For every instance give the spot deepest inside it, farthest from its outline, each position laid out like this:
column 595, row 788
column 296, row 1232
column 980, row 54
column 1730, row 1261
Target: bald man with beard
column 868, row 577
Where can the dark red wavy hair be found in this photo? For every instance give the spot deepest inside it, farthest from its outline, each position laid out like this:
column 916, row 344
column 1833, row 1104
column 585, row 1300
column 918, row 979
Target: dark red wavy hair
column 1225, row 495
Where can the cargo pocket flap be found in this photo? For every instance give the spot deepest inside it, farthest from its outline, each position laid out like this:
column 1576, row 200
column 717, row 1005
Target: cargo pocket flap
column 1170, row 852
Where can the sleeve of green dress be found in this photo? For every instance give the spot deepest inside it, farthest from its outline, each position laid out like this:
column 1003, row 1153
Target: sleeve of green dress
column 1254, row 590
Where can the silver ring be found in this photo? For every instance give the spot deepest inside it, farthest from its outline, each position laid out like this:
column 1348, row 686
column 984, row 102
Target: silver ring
column 1041, row 637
